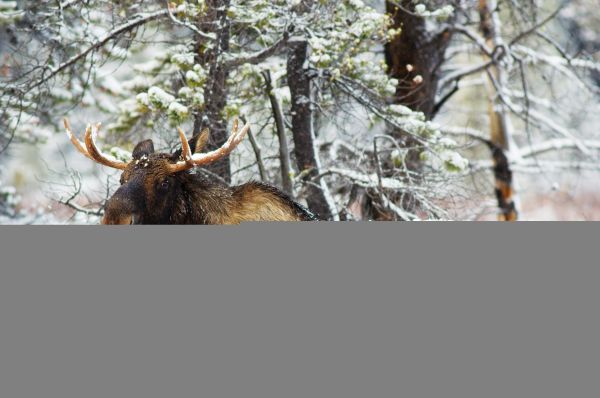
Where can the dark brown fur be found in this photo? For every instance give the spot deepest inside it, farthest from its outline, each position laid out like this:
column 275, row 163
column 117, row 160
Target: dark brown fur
column 149, row 195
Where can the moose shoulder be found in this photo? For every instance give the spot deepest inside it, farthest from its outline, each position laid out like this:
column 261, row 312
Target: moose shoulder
column 160, row 188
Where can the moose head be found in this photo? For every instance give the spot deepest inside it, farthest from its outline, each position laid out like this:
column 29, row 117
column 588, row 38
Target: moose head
column 158, row 188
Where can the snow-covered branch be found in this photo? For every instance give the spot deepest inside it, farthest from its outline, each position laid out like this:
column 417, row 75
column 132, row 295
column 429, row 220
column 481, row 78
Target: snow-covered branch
column 135, row 22
column 260, row 55
column 66, row 4
column 208, row 36
column 535, row 166
column 557, row 144
column 366, row 180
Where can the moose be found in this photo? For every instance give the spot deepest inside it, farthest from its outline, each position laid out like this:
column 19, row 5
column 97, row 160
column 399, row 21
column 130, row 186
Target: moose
column 160, row 188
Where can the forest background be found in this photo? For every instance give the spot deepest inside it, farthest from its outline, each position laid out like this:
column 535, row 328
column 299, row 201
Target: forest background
column 362, row 110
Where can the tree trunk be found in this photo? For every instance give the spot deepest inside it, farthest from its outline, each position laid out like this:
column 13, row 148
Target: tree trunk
column 215, row 91
column 284, row 156
column 500, row 126
column 413, row 58
column 302, row 126
column 422, row 50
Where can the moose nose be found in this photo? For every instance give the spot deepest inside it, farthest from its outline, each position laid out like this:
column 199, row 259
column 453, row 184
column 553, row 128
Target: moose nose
column 125, row 203
column 119, row 211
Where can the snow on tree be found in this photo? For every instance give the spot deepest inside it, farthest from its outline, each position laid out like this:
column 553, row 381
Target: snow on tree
column 335, row 102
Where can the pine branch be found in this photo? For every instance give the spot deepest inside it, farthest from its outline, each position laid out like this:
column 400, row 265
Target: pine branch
column 136, row 21
column 260, row 55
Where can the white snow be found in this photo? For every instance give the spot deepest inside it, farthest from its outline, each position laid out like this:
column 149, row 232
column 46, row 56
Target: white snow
column 176, row 110
column 160, row 97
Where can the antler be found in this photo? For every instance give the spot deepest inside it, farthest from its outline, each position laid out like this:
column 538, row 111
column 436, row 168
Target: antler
column 198, row 159
column 90, row 150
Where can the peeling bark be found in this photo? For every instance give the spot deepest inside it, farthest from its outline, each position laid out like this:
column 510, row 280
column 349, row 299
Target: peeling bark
column 500, row 125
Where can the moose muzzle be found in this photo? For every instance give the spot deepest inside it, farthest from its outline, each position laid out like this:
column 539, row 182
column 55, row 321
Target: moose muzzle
column 122, row 209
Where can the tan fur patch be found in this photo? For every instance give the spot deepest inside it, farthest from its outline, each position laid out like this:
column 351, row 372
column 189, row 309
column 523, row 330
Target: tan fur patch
column 257, row 205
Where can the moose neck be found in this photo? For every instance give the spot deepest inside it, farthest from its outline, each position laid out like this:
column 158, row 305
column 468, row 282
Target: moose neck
column 210, row 203
column 203, row 201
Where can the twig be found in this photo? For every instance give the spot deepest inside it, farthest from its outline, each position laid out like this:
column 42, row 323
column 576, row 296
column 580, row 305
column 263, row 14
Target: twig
column 480, row 41
column 69, row 202
column 400, row 212
column 378, row 169
column 459, row 74
column 438, row 105
column 535, row 27
column 365, row 180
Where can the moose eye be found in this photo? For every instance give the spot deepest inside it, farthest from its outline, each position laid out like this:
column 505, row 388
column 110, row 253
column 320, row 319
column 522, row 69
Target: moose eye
column 164, row 185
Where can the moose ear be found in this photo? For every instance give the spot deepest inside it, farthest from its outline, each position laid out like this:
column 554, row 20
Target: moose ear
column 198, row 142
column 145, row 147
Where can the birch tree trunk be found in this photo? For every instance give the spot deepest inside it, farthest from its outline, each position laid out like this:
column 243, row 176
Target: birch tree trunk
column 501, row 134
